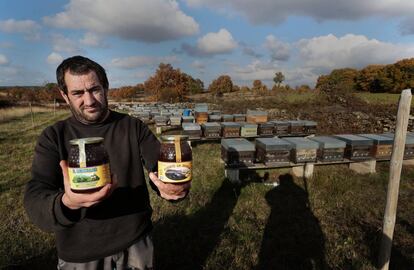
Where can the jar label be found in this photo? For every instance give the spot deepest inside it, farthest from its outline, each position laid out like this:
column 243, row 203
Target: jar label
column 89, row 177
column 174, row 172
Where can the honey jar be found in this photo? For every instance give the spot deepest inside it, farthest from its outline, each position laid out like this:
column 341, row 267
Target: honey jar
column 88, row 164
column 175, row 159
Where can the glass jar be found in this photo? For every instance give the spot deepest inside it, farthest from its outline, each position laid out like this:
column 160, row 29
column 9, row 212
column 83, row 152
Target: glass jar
column 175, row 159
column 88, row 164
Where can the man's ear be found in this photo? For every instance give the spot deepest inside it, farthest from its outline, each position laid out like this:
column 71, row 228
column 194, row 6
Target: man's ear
column 65, row 96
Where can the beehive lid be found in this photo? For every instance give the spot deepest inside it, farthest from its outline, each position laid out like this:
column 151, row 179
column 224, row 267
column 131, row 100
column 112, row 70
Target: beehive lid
column 302, row 143
column 273, row 144
column 175, row 118
column 328, row 142
column 409, row 139
column 253, row 112
column 230, row 124
column 201, row 106
column 297, row 123
column 201, row 110
column 215, row 116
column 309, row 123
column 378, row 138
column 266, row 124
column 160, row 118
column 238, row 145
column 211, row 125
column 354, row 139
column 227, row 116
column 191, row 126
column 248, row 125
column 188, row 117
column 280, row 123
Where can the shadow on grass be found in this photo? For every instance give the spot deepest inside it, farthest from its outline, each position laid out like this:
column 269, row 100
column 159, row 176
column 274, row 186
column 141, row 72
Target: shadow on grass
column 293, row 238
column 185, row 242
column 399, row 259
column 44, row 261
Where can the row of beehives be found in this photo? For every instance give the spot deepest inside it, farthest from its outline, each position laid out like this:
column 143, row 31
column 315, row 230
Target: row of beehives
column 245, row 129
column 271, row 151
column 165, row 118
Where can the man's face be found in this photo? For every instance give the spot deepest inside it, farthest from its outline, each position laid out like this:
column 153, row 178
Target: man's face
column 86, row 97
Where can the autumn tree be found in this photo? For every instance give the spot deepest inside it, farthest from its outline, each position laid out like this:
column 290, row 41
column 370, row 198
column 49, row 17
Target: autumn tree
column 171, row 84
column 259, row 87
column 339, row 80
column 221, row 85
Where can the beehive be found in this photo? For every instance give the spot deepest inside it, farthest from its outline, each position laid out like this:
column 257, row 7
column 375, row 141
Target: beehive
column 187, row 119
column 272, row 150
column 248, row 129
column 382, row 148
column 211, row 130
column 265, row 129
column 175, row 120
column 303, row 150
column 281, row 128
column 227, row 118
column 330, row 148
column 239, row 118
column 230, row 129
column 193, row 130
column 214, row 118
column 256, row 116
column 357, row 147
column 161, row 121
column 237, row 152
column 296, row 127
column 409, row 144
column 309, row 127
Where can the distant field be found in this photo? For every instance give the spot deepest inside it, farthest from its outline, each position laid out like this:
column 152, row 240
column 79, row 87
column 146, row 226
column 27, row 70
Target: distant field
column 332, row 221
column 381, row 98
column 17, row 112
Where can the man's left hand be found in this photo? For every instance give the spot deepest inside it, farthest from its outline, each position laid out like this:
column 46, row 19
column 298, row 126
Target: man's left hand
column 170, row 191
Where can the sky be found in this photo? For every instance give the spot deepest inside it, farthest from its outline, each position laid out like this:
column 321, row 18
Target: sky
column 245, row 39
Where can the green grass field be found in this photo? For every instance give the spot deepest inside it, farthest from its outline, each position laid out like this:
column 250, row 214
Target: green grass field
column 332, row 221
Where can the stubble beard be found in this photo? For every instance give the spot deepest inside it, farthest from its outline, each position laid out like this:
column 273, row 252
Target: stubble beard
column 90, row 118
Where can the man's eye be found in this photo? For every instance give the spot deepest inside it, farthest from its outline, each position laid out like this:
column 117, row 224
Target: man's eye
column 77, row 94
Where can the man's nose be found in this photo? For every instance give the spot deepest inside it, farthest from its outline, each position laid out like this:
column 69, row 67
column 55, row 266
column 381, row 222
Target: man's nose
column 88, row 98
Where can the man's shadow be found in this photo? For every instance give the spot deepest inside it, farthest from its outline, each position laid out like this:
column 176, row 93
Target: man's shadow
column 185, row 242
column 292, row 238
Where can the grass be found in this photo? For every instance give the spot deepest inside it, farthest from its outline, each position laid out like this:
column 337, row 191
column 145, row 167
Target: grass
column 332, row 221
column 17, row 112
column 381, row 98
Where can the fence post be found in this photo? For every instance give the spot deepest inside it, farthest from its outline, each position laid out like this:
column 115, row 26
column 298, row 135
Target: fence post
column 394, row 180
column 31, row 114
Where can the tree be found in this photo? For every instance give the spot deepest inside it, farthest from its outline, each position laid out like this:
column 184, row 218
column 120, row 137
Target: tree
column 279, row 78
column 221, row 85
column 171, row 84
column 259, row 87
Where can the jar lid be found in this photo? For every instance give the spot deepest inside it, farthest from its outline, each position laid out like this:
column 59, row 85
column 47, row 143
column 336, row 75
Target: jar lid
column 86, row 140
column 172, row 138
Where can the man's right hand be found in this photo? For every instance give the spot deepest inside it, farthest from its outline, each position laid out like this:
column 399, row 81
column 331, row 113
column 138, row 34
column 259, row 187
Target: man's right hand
column 74, row 200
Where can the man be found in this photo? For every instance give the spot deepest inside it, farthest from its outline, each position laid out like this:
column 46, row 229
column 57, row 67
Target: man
column 109, row 228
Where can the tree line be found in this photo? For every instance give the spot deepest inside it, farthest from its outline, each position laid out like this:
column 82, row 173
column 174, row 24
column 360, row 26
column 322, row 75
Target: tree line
column 391, row 78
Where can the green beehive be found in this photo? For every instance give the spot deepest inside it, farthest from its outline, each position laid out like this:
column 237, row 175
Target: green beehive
column 248, row 130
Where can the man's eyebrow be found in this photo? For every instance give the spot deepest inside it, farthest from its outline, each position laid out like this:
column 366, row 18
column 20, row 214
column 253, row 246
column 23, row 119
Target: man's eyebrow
column 83, row 90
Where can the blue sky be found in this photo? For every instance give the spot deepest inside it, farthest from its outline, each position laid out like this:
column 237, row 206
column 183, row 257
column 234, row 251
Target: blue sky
column 245, row 39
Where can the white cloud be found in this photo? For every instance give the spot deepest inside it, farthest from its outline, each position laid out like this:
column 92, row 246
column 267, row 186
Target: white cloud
column 3, row 60
column 144, row 20
column 212, row 43
column 279, row 50
column 141, row 61
column 92, row 40
column 275, row 12
column 198, row 65
column 61, row 43
column 217, row 43
column 320, row 55
column 29, row 28
column 325, row 53
column 54, row 58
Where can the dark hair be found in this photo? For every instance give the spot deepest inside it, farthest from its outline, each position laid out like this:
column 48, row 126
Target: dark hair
column 79, row 65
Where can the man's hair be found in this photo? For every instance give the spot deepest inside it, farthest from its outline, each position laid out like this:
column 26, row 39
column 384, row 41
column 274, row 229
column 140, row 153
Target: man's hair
column 79, row 65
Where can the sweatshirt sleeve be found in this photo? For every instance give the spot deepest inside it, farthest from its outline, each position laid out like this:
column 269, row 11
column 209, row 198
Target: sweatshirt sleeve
column 42, row 199
column 149, row 147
